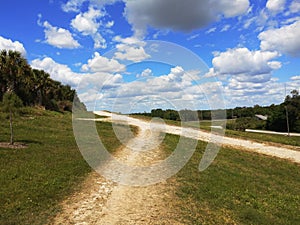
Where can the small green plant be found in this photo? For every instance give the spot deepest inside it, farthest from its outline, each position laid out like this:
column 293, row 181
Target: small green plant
column 10, row 104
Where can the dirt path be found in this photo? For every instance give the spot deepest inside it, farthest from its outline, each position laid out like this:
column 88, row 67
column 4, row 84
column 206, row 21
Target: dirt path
column 104, row 202
column 276, row 151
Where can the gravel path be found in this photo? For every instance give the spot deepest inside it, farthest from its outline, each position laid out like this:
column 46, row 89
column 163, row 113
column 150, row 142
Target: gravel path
column 276, row 151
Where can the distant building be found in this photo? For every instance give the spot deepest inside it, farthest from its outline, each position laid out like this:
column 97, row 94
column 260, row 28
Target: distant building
column 261, row 117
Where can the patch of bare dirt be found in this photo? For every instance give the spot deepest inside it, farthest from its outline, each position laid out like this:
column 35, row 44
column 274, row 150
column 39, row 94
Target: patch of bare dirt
column 13, row 146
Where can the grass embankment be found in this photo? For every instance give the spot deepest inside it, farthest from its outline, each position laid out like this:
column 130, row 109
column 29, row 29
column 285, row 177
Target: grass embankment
column 33, row 181
column 238, row 188
column 206, row 126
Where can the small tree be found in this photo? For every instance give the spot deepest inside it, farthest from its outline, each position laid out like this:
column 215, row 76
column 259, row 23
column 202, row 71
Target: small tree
column 10, row 104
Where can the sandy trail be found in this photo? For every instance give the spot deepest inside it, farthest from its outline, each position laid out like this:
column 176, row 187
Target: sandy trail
column 276, row 151
column 104, row 202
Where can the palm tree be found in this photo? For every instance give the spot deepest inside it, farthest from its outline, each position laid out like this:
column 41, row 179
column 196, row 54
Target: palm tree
column 42, row 85
column 14, row 71
column 3, row 73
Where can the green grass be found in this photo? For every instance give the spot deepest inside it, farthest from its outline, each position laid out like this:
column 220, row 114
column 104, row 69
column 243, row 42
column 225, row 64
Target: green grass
column 33, row 181
column 238, row 188
column 205, row 125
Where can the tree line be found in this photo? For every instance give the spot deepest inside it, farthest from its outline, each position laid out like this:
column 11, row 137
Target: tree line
column 286, row 116
column 282, row 117
column 34, row 87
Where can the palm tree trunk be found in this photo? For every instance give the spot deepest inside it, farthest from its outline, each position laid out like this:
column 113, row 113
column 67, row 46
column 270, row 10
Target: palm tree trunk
column 11, row 128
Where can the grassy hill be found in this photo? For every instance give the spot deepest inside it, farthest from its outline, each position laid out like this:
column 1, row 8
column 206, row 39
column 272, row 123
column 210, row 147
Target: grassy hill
column 238, row 188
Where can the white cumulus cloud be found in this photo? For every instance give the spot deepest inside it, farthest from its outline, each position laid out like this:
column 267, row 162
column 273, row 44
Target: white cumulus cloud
column 131, row 49
column 88, row 24
column 243, row 61
column 8, row 44
column 285, row 39
column 102, row 64
column 59, row 37
column 146, row 73
column 276, row 6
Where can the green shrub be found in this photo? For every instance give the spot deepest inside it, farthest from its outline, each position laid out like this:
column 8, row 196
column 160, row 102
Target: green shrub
column 244, row 123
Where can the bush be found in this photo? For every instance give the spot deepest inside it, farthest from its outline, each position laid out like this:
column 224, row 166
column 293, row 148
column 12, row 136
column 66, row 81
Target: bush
column 244, row 123
column 230, row 125
column 52, row 105
column 65, row 106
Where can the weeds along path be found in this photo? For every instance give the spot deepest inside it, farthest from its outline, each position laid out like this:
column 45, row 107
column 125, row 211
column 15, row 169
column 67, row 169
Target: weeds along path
column 104, row 202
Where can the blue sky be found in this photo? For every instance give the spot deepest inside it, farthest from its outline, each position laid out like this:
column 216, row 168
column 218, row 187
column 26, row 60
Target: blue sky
column 134, row 55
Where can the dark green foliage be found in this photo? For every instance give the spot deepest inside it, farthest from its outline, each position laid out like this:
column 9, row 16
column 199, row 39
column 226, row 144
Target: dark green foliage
column 204, row 114
column 34, row 87
column 188, row 115
column 243, row 117
column 168, row 114
column 289, row 109
column 11, row 102
column 244, row 123
column 277, row 120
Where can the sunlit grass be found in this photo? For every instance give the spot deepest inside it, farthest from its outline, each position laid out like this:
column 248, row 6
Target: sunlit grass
column 238, row 188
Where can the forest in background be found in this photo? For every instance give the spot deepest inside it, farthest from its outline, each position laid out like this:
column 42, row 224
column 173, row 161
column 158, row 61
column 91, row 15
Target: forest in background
column 241, row 118
column 33, row 87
